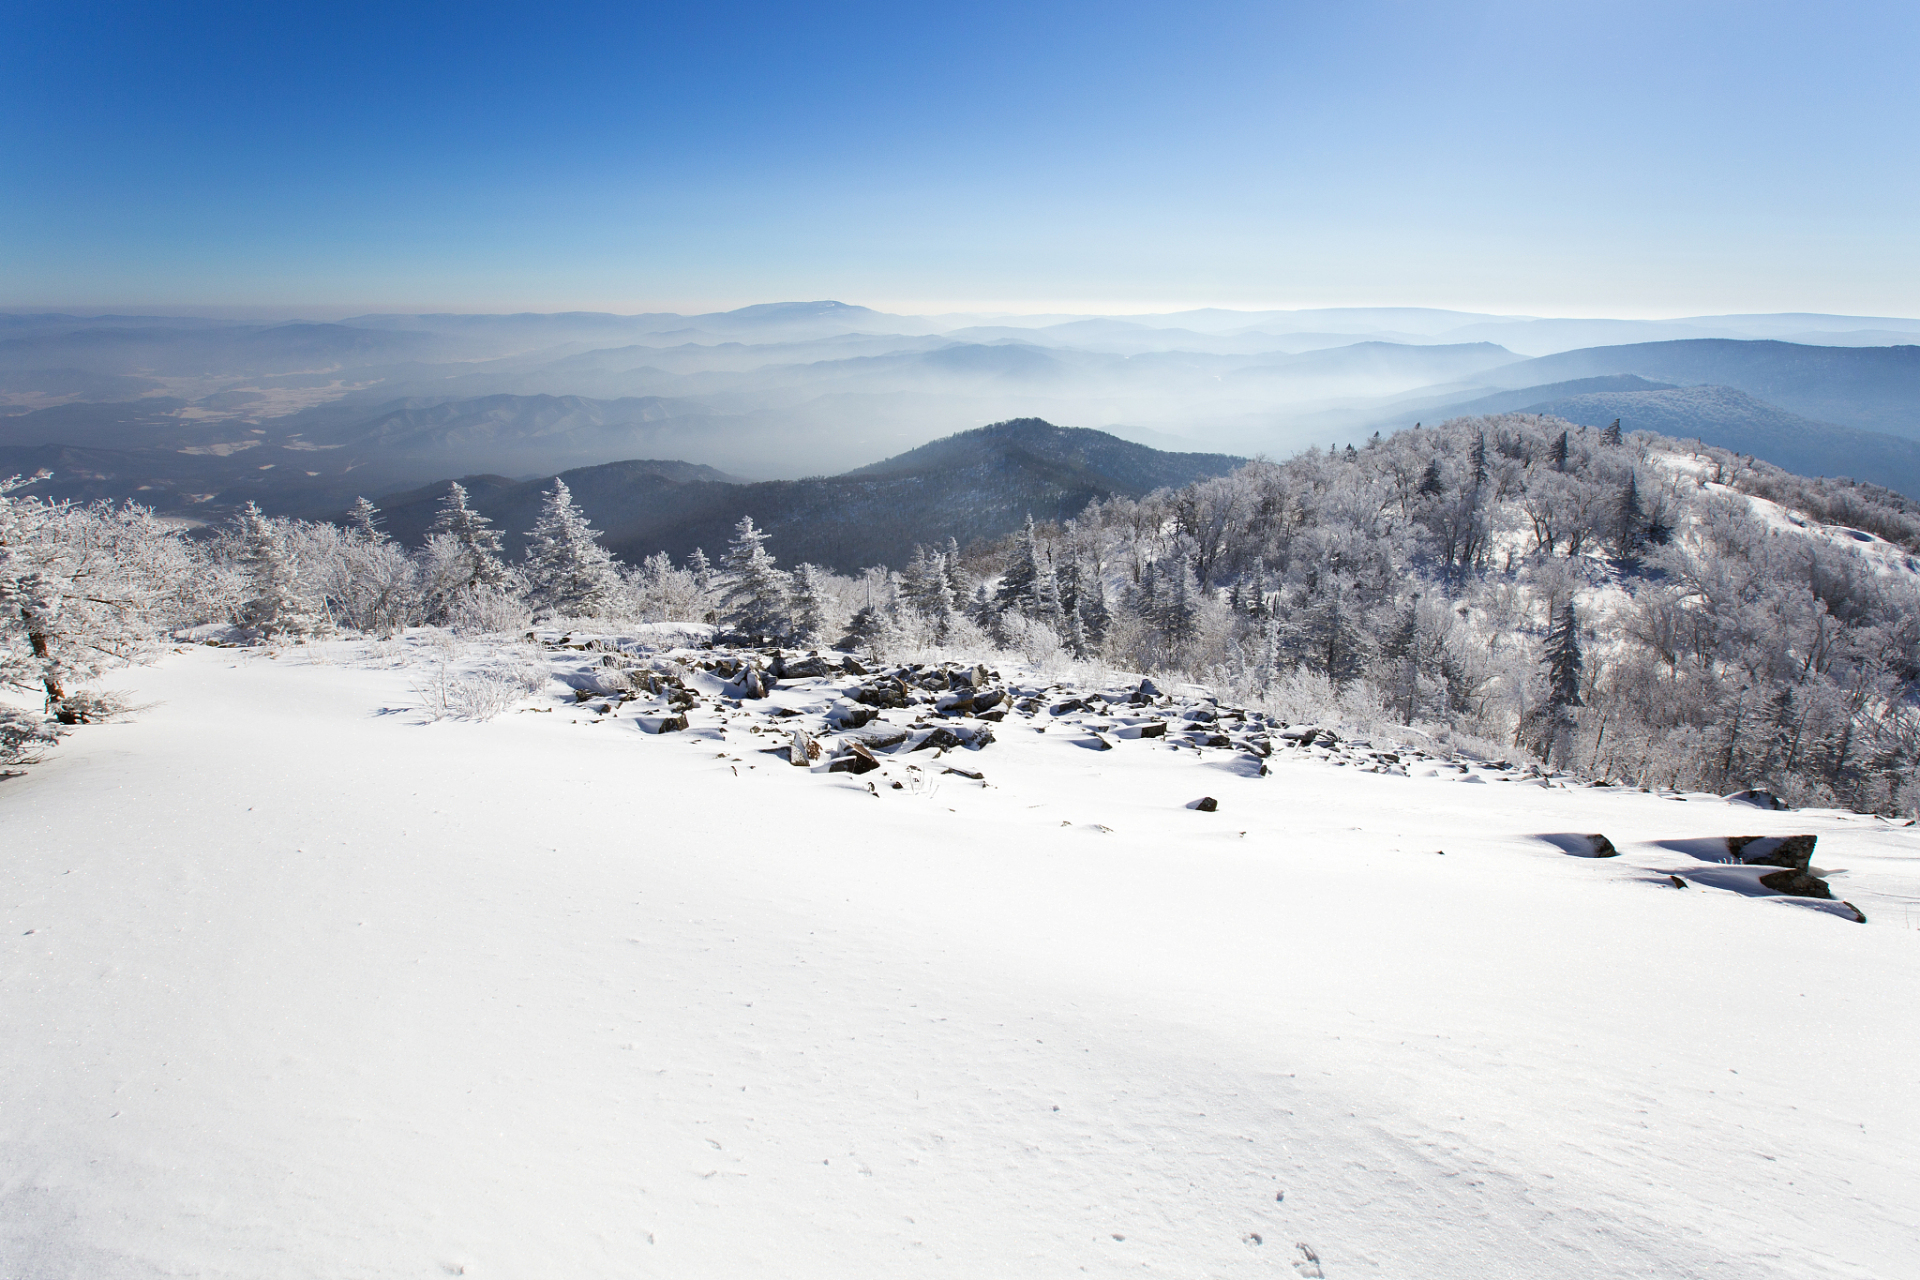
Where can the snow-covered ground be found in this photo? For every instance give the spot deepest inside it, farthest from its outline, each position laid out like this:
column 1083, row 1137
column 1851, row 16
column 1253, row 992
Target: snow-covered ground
column 297, row 984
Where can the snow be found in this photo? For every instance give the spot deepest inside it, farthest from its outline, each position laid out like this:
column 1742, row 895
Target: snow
column 298, row 984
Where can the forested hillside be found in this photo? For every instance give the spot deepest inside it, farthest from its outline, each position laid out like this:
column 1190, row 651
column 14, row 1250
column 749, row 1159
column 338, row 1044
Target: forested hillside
column 1620, row 605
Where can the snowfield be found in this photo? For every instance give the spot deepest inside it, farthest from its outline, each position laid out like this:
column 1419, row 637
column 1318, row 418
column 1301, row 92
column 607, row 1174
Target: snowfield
column 299, row 984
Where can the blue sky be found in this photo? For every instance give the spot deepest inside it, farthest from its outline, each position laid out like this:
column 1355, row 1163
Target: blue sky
column 1560, row 158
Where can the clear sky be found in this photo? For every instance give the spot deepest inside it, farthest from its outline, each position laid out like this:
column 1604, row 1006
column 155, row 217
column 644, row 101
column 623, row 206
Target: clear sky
column 1544, row 157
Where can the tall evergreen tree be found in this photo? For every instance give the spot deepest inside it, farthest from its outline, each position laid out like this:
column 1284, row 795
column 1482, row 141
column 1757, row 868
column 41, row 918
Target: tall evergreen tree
column 1611, row 436
column 1559, row 455
column 1563, row 662
column 276, row 604
column 757, row 598
column 569, row 573
column 479, row 545
column 364, row 520
column 807, row 605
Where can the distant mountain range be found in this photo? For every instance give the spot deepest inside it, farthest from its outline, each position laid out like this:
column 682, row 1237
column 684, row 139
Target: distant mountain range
column 197, row 415
column 979, row 484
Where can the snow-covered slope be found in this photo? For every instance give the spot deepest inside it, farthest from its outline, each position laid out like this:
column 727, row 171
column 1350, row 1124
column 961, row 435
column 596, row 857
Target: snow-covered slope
column 299, row 985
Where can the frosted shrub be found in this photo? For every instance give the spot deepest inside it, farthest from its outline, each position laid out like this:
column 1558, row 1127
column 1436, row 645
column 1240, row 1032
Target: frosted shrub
column 1035, row 641
column 479, row 611
column 446, row 694
column 23, row 735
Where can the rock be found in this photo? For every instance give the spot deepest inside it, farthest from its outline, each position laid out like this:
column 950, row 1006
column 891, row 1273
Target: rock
column 1678, row 883
column 1798, row 884
column 935, row 739
column 853, row 667
column 878, row 736
column 1759, row 798
column 886, row 691
column 802, row 750
column 849, row 715
column 1793, row 852
column 1596, row 846
column 1205, row 804
column 661, row 724
column 1859, row 916
column 857, row 760
column 975, row 774
column 1148, row 689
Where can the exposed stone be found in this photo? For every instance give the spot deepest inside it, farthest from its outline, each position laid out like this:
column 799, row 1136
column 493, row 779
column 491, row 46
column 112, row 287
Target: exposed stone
column 877, row 736
column 1759, row 798
column 802, row 750
column 1794, row 852
column 857, row 760
column 662, row 724
column 1798, row 884
column 1205, row 804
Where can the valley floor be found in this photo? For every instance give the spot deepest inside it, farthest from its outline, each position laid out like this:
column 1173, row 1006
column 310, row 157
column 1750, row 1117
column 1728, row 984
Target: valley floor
column 297, row 985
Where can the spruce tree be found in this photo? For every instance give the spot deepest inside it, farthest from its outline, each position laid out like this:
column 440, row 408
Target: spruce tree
column 364, row 520
column 1431, row 486
column 757, row 598
column 1563, row 662
column 1612, row 435
column 1559, row 454
column 276, row 606
column 1478, row 460
column 1020, row 584
column 569, row 573
column 479, row 545
column 807, row 605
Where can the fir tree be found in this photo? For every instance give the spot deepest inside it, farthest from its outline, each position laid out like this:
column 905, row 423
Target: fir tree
column 757, row 599
column 1559, row 455
column 570, row 574
column 276, row 606
column 479, row 545
column 1478, row 460
column 1563, row 662
column 808, row 605
column 1611, row 436
column 1630, row 521
column 364, row 520
column 1431, row 485
column 1020, row 585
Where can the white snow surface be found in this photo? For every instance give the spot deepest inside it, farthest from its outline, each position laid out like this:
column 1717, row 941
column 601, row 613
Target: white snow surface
column 299, row 985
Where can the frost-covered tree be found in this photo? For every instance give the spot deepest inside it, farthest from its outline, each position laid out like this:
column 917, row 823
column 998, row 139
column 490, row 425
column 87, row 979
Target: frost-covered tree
column 364, row 519
column 277, row 602
column 82, row 589
column 756, row 599
column 1563, row 663
column 807, row 605
column 476, row 547
column 569, row 574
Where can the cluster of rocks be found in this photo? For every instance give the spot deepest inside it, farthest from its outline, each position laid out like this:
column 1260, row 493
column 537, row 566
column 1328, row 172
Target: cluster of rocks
column 839, row 714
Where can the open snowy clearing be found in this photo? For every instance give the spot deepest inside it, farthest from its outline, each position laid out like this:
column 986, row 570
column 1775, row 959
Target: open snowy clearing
column 299, row 985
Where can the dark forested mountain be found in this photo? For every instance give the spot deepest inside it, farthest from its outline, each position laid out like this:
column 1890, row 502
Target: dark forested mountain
column 1735, row 420
column 1868, row 388
column 976, row 485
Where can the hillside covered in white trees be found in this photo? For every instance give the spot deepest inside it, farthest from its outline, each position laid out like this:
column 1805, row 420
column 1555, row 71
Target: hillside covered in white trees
column 1632, row 608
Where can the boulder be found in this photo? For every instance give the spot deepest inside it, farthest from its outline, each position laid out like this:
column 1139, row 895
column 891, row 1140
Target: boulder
column 1758, row 798
column 1793, row 852
column 857, row 760
column 877, row 736
column 661, row 724
column 1797, row 883
column 1205, row 804
column 802, row 750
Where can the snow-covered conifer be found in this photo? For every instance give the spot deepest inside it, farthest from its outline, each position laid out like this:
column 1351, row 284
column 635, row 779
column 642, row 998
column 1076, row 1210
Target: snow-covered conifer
column 569, row 573
column 757, row 596
column 478, row 546
column 276, row 605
